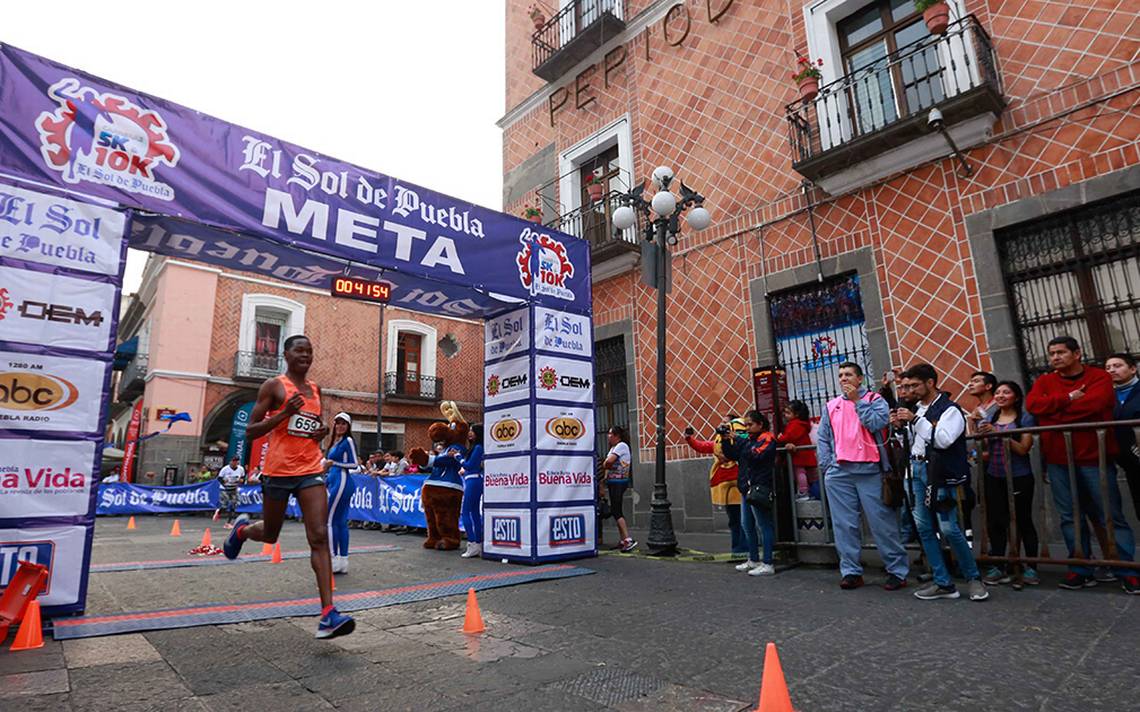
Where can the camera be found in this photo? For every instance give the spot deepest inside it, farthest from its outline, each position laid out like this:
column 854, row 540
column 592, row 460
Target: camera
column 724, row 431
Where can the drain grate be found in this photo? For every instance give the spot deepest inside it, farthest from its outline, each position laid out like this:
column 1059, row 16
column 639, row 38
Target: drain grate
column 609, row 686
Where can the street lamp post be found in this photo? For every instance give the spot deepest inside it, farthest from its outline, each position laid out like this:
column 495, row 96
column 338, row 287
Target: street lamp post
column 662, row 225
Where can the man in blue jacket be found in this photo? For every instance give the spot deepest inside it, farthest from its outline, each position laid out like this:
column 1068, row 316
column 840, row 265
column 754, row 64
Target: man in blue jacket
column 1122, row 369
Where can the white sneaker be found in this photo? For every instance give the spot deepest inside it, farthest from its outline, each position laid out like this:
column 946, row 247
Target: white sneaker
column 750, row 564
column 473, row 551
column 340, row 564
column 762, row 569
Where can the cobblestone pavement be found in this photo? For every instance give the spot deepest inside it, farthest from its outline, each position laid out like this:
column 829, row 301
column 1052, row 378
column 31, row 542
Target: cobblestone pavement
column 642, row 634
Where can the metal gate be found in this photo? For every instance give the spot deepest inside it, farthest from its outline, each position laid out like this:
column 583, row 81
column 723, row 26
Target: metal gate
column 1076, row 273
column 611, row 406
column 817, row 327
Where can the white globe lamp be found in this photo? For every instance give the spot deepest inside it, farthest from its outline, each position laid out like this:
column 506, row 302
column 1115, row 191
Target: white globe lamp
column 662, row 175
column 698, row 218
column 624, row 217
column 664, row 203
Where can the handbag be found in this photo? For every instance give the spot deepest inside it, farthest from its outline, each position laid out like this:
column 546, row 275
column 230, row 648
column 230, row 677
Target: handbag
column 892, row 491
column 760, row 495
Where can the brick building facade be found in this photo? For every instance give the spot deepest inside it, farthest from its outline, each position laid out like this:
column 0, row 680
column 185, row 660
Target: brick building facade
column 204, row 339
column 844, row 225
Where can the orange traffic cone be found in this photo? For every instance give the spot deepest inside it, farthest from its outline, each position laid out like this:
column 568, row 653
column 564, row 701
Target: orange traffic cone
column 266, row 548
column 175, row 530
column 131, row 523
column 276, row 554
column 332, row 582
column 31, row 635
column 473, row 620
column 206, row 538
column 774, row 695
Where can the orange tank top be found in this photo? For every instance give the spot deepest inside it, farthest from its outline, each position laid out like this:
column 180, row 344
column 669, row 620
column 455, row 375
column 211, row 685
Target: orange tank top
column 289, row 452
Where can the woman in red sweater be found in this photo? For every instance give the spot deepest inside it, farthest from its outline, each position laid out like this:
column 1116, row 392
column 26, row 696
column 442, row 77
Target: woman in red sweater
column 797, row 434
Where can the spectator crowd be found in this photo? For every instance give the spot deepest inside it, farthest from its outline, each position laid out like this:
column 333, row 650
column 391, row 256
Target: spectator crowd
column 902, row 461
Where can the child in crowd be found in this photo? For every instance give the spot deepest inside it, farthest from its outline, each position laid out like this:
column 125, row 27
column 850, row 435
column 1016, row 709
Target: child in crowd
column 797, row 434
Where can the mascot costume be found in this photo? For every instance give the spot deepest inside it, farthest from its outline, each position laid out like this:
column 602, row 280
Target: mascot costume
column 442, row 493
column 722, row 482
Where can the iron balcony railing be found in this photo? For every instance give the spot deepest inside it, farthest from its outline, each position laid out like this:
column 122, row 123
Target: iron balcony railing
column 411, row 385
column 133, row 380
column 573, row 33
column 955, row 72
column 593, row 222
column 249, row 364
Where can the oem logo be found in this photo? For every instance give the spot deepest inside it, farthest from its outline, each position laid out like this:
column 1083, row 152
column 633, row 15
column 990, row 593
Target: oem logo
column 20, row 390
column 506, row 430
column 104, row 138
column 565, row 427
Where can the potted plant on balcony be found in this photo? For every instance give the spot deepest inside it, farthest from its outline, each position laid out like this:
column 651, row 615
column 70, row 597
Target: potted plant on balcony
column 807, row 76
column 533, row 214
column 537, row 16
column 936, row 14
column 594, row 187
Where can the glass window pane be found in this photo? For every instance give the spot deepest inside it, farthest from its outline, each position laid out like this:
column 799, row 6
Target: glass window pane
column 901, row 9
column 862, row 24
column 871, row 83
column 919, row 67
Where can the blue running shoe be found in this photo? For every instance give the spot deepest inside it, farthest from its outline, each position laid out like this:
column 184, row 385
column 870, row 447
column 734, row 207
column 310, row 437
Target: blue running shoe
column 232, row 546
column 334, row 624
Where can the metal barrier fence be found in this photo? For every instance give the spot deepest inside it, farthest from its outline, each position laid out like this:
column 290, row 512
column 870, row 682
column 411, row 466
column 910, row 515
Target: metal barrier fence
column 1103, row 531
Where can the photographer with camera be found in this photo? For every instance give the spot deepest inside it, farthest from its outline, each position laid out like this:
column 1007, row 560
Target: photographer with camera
column 939, row 463
column 755, row 454
column 722, row 481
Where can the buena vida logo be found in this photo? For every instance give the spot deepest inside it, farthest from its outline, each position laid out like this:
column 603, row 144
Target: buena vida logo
column 103, row 138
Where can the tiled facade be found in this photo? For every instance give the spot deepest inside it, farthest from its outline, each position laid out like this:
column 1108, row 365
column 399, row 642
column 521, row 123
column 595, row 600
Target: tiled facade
column 714, row 109
column 193, row 346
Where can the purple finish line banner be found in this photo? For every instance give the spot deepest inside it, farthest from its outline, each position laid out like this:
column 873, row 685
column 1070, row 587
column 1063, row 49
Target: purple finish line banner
column 67, row 128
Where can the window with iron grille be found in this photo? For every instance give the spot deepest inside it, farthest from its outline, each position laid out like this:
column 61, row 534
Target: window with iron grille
column 611, row 406
column 1075, row 273
column 816, row 328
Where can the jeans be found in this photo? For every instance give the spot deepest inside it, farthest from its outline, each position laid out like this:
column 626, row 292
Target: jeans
column 1092, row 507
column 947, row 524
column 751, row 517
column 471, row 512
column 739, row 543
column 848, row 494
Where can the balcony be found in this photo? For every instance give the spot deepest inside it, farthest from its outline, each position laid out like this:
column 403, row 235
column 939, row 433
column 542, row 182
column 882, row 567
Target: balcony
column 573, row 33
column 252, row 366
column 133, row 380
column 594, row 224
column 413, row 387
column 873, row 122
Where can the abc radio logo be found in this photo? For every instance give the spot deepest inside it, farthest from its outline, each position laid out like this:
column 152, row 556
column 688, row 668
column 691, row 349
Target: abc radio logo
column 565, row 427
column 506, row 430
column 21, row 390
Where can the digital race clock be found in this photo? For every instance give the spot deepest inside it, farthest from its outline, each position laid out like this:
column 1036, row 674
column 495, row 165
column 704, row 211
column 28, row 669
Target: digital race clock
column 362, row 289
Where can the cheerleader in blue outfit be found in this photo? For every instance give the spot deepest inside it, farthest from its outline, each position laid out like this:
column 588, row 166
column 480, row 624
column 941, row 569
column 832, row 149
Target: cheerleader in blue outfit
column 340, row 461
column 471, row 513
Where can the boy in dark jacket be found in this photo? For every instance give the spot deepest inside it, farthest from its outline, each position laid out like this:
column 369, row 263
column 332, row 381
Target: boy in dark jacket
column 755, row 454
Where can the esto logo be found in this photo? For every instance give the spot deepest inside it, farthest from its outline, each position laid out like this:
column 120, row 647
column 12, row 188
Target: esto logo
column 20, row 390
column 104, row 138
column 567, row 530
column 565, row 427
column 505, row 532
column 34, row 552
column 506, row 430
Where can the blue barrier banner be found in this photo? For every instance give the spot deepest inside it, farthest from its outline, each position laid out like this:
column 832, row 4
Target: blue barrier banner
column 124, row 498
column 387, row 500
